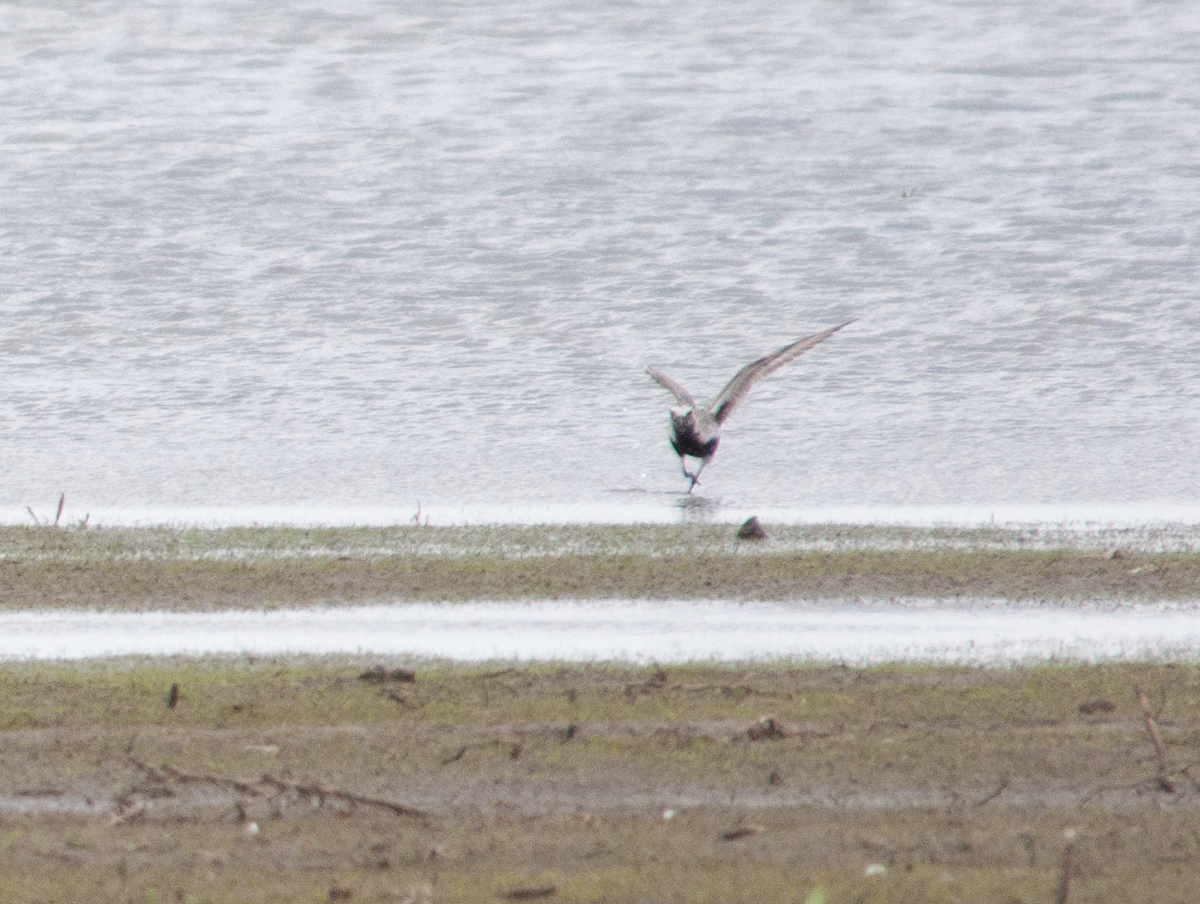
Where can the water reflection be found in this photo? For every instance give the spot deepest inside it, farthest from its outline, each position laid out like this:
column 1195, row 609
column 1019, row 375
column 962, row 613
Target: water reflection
column 698, row 509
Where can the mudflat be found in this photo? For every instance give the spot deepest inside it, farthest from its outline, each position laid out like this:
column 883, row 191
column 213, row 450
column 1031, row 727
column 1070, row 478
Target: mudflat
column 341, row 779
column 192, row 569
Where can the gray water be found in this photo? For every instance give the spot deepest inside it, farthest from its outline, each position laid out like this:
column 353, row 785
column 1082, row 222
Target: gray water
column 678, row 631
column 277, row 258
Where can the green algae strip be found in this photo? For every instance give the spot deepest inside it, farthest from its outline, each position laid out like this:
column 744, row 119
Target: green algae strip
column 194, row 569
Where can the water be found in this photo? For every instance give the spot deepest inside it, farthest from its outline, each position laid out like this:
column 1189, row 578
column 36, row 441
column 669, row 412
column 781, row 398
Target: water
column 271, row 258
column 977, row 633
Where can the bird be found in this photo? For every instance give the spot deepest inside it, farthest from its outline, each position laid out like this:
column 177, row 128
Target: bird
column 696, row 429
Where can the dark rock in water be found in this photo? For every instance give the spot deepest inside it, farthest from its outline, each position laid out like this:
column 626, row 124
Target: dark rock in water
column 752, row 530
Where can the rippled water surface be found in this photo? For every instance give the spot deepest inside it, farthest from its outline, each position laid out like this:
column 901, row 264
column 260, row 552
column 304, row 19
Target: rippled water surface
column 274, row 255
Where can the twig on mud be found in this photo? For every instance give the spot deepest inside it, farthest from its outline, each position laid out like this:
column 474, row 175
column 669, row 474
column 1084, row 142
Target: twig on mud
column 515, row 749
column 1132, row 786
column 991, row 797
column 270, row 787
column 1068, row 865
column 500, row 674
column 530, row 894
column 157, row 774
column 321, row 794
column 741, row 691
column 742, row 831
column 1160, row 751
column 1184, row 770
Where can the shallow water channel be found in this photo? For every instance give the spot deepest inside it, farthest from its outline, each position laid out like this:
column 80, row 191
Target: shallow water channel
column 977, row 633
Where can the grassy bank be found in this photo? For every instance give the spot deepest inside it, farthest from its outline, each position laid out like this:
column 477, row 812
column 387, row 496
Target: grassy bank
column 293, row 780
column 254, row 567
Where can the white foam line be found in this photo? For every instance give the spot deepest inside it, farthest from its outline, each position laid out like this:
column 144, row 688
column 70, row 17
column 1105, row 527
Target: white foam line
column 661, row 631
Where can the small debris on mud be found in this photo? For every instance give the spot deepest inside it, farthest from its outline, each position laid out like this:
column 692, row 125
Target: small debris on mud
column 173, row 696
column 1097, row 707
column 530, row 894
column 656, row 682
column 744, row 831
column 766, row 729
column 379, row 675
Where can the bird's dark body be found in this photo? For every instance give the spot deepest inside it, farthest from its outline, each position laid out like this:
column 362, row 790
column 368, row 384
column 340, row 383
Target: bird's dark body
column 686, row 440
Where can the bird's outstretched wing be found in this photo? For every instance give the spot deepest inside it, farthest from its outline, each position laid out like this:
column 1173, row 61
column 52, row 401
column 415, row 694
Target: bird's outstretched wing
column 735, row 390
column 675, row 389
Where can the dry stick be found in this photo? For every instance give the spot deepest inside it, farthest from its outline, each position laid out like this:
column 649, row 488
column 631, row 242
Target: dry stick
column 1164, row 765
column 515, row 749
column 991, row 797
column 185, row 778
column 321, row 793
column 530, row 894
column 255, row 789
column 1068, row 864
column 33, row 515
column 1100, row 789
column 62, row 500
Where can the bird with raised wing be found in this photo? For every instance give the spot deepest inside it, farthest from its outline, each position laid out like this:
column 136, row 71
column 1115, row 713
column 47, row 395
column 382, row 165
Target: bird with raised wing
column 696, row 429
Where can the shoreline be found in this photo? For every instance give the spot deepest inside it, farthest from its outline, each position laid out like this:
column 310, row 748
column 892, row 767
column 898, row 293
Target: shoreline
column 628, row 507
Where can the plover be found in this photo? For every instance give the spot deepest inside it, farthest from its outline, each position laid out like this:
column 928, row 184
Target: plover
column 696, row 430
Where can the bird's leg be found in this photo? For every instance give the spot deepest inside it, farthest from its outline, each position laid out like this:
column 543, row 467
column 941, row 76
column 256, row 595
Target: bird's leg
column 694, row 478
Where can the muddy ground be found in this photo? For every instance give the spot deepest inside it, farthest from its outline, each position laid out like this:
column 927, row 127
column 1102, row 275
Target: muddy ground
column 324, row 780
column 327, row 780
column 189, row 569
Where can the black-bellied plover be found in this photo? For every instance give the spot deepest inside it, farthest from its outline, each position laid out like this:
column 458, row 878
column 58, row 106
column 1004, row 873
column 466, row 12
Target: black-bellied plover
column 696, row 429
